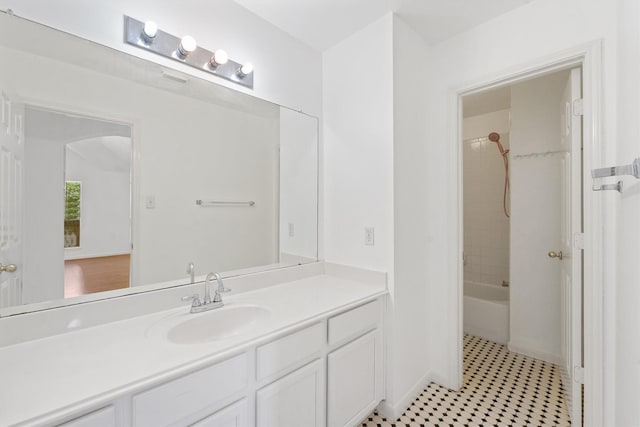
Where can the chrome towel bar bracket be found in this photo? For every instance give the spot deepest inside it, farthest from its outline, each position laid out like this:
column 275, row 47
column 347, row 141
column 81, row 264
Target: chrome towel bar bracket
column 632, row 169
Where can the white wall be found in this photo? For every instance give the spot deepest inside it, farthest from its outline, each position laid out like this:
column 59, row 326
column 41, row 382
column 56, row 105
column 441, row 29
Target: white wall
column 623, row 298
column 358, row 156
column 374, row 135
column 287, row 71
column 105, row 211
column 486, row 228
column 409, row 364
column 536, row 309
column 298, row 185
column 223, row 154
column 43, row 261
column 358, row 148
column 499, row 48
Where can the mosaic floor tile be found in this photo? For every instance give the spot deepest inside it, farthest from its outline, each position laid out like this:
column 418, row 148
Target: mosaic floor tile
column 500, row 388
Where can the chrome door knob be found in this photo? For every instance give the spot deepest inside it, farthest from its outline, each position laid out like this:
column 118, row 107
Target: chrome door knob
column 553, row 254
column 9, row 268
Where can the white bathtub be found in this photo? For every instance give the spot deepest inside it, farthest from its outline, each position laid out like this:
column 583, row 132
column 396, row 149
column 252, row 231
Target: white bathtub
column 486, row 311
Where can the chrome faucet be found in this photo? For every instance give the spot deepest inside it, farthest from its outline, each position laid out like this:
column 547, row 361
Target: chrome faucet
column 191, row 270
column 207, row 304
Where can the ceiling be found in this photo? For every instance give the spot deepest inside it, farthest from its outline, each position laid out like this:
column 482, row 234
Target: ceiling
column 323, row 23
column 56, row 126
column 486, row 101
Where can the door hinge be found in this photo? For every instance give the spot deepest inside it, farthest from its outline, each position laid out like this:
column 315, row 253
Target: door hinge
column 578, row 374
column 578, row 107
column 578, row 240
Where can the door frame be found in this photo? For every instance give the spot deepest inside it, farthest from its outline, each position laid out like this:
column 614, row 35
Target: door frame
column 589, row 58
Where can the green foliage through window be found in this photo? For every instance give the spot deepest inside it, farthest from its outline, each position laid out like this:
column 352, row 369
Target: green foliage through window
column 72, row 200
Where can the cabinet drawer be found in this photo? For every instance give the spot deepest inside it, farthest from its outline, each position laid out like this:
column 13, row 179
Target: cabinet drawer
column 105, row 417
column 175, row 400
column 354, row 322
column 287, row 352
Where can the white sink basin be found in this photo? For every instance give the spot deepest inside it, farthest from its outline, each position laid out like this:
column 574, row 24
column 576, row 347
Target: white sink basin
column 217, row 324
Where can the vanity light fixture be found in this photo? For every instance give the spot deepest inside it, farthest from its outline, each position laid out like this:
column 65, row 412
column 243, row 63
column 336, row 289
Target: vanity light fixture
column 147, row 36
column 149, row 31
column 219, row 57
column 187, row 45
column 245, row 70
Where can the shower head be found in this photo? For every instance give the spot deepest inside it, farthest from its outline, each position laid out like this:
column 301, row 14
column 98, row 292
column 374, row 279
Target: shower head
column 495, row 137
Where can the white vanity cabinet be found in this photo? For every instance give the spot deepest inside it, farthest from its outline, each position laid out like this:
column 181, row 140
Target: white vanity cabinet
column 328, row 371
column 355, row 369
column 352, row 371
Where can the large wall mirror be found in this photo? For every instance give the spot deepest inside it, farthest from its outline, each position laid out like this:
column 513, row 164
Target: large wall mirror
column 118, row 175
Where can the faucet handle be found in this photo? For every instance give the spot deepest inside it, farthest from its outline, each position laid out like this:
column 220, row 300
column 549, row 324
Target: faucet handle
column 195, row 300
column 217, row 298
column 221, row 288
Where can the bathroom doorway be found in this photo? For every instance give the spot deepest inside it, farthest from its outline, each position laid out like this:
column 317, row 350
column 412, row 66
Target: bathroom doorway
column 77, row 200
column 522, row 222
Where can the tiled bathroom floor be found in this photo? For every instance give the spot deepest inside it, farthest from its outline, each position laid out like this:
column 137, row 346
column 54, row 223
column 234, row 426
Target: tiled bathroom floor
column 500, row 389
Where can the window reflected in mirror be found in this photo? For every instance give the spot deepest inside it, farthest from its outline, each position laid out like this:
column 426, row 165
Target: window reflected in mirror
column 72, row 190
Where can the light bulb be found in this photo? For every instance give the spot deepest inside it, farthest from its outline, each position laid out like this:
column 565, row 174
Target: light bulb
column 219, row 57
column 187, row 45
column 150, row 30
column 246, row 69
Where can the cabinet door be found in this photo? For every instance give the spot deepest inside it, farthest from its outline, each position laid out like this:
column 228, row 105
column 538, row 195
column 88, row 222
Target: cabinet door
column 232, row 416
column 296, row 400
column 354, row 380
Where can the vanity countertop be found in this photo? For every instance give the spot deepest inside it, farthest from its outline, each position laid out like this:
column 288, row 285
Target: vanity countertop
column 79, row 368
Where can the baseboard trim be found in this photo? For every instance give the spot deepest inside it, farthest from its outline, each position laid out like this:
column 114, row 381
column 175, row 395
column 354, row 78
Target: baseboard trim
column 442, row 381
column 540, row 355
column 566, row 385
column 392, row 411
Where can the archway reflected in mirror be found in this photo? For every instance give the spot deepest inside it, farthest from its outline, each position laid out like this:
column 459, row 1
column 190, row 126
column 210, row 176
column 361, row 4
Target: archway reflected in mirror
column 83, row 237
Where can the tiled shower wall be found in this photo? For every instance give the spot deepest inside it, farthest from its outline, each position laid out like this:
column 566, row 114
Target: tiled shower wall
column 486, row 228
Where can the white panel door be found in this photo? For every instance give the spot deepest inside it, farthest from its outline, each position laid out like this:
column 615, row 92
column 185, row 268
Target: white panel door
column 11, row 200
column 571, row 228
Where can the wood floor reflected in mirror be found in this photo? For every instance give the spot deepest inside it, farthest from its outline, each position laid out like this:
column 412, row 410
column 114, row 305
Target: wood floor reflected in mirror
column 89, row 275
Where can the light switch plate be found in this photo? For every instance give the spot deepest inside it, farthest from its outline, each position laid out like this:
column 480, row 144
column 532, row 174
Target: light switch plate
column 369, row 236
